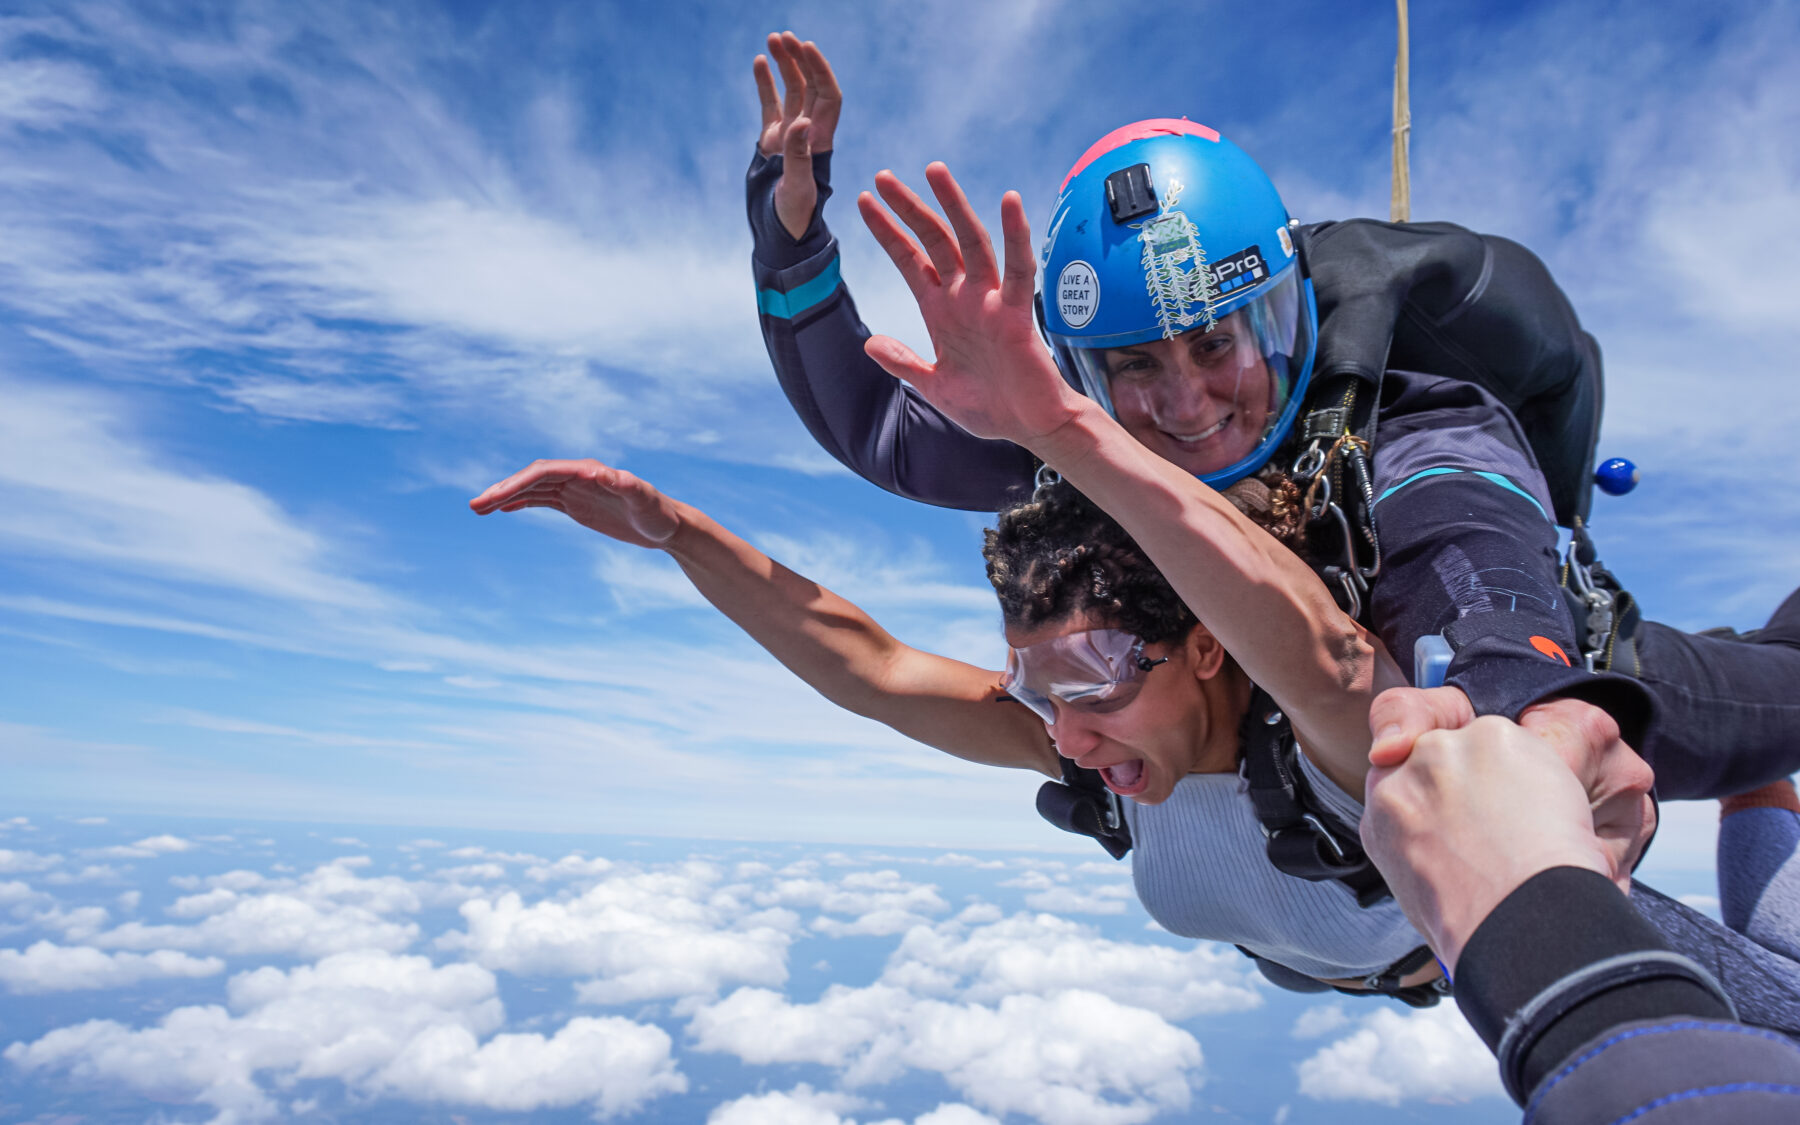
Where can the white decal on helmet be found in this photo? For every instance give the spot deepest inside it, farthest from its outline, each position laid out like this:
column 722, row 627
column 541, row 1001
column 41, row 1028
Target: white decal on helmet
column 1175, row 268
column 1077, row 294
column 1286, row 240
column 1061, row 212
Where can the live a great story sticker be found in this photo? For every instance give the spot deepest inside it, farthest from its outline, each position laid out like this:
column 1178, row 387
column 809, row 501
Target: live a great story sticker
column 1077, row 294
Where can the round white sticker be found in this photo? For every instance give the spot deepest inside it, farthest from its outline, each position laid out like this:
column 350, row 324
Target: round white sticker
column 1077, row 294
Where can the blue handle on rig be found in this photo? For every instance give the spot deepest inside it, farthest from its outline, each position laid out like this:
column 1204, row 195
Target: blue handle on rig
column 1616, row 476
column 1431, row 659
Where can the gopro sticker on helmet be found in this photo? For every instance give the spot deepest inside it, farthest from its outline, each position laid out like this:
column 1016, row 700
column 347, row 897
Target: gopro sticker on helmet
column 1246, row 267
column 1077, row 294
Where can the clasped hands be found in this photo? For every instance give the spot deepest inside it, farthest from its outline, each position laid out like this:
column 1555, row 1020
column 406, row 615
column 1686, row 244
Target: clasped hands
column 1460, row 811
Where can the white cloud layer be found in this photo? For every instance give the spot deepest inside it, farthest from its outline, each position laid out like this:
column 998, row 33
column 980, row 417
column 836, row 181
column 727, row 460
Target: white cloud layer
column 1391, row 1058
column 47, row 967
column 384, row 1026
column 1022, row 1016
column 805, row 1106
column 1067, row 1058
column 328, row 910
column 882, row 902
column 148, row 848
column 1030, row 1014
column 642, row 935
column 978, row 956
column 25, row 863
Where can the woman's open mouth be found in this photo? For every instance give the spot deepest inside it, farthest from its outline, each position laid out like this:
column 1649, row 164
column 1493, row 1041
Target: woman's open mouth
column 1210, row 431
column 1126, row 778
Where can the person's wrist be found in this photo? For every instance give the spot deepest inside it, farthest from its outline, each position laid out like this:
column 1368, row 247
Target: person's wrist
column 1076, row 437
column 1471, row 899
column 689, row 531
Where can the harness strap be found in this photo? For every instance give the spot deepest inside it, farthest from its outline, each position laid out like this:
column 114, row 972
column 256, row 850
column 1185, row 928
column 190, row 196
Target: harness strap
column 1336, row 441
column 1387, row 982
column 1081, row 803
column 1606, row 615
column 1384, row 983
column 1302, row 838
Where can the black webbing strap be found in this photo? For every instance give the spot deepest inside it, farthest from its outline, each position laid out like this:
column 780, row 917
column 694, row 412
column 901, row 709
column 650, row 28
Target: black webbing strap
column 1607, row 617
column 1337, row 405
column 1334, row 444
column 1302, row 838
column 1384, row 983
column 1387, row 982
column 1081, row 803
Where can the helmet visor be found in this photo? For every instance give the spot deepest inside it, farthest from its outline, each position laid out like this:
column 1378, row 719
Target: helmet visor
column 1094, row 670
column 1214, row 399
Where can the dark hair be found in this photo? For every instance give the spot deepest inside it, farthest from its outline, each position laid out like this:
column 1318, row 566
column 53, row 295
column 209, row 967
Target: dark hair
column 1058, row 555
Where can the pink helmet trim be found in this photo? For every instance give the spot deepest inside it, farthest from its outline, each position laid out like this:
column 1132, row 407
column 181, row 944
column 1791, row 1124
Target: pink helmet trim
column 1137, row 131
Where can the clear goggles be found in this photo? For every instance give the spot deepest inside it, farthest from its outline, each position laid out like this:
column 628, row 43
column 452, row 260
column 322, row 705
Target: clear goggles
column 1251, row 361
column 1097, row 670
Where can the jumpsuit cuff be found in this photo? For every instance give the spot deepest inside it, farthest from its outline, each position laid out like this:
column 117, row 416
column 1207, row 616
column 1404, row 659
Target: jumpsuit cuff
column 1520, row 980
column 1503, row 674
column 775, row 248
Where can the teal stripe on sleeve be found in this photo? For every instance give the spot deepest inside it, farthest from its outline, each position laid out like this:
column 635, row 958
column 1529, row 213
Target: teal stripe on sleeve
column 1491, row 478
column 787, row 306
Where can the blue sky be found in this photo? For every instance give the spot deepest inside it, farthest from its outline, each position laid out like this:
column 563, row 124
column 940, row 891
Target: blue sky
column 281, row 291
column 281, row 286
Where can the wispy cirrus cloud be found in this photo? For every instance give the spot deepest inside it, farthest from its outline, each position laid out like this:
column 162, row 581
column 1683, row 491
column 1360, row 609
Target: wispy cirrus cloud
column 85, row 487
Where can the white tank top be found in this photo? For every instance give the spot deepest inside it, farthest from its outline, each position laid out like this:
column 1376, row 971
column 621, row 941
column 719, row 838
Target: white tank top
column 1200, row 870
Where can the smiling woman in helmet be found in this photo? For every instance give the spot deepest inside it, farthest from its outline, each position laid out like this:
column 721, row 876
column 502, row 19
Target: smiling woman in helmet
column 1196, row 335
column 1204, row 400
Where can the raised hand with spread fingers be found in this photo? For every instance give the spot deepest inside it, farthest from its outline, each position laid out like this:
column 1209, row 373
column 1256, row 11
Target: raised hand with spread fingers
column 797, row 124
column 992, row 376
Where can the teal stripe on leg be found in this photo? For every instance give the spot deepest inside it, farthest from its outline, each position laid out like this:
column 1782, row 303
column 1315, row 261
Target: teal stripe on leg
column 1491, row 478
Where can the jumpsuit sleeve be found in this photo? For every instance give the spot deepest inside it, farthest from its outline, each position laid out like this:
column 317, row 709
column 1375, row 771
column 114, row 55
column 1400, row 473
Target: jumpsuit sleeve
column 875, row 425
column 1593, row 1018
column 1469, row 551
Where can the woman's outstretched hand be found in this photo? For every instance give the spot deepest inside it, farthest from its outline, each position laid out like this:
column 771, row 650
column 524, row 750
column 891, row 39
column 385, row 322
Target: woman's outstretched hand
column 610, row 501
column 993, row 375
column 797, row 124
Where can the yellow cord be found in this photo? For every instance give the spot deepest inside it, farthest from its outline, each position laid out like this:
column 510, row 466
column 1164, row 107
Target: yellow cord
column 1400, row 205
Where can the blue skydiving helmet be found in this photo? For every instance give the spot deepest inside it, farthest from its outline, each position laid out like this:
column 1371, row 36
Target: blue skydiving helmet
column 1174, row 298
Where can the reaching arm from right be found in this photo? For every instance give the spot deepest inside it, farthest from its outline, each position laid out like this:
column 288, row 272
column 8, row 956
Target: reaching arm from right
column 839, row 650
column 1486, row 842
